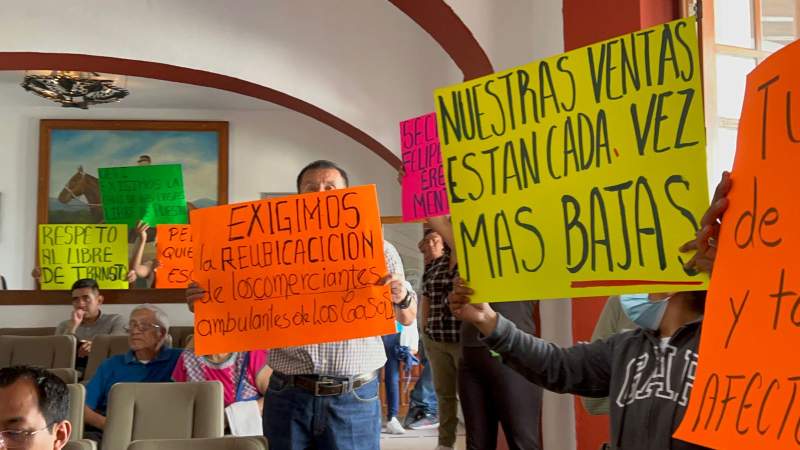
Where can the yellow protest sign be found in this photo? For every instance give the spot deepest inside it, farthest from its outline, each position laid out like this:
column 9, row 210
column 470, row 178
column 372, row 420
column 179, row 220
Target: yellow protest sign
column 69, row 252
column 580, row 174
column 745, row 392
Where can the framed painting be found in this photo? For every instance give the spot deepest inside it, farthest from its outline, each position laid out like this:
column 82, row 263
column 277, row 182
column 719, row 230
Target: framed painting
column 266, row 195
column 72, row 151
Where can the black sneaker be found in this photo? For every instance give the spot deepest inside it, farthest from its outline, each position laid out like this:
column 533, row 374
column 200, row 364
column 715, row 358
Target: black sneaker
column 413, row 415
column 427, row 422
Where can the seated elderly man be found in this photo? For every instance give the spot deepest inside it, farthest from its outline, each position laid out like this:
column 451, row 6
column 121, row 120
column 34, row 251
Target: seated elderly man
column 147, row 361
column 33, row 409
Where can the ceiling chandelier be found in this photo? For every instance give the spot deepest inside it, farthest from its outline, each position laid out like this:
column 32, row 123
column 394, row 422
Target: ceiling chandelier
column 74, row 89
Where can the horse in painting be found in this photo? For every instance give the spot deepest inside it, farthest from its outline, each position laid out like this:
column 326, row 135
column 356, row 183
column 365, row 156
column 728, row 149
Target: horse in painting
column 83, row 184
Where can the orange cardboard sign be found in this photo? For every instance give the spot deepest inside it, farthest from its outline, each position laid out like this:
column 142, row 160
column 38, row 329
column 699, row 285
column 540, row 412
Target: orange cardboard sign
column 290, row 271
column 174, row 247
column 745, row 393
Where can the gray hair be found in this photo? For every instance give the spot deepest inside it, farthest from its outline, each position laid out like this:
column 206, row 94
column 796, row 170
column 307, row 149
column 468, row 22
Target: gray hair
column 161, row 317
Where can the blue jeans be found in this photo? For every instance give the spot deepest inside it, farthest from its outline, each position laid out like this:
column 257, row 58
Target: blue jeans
column 423, row 396
column 294, row 419
column 391, row 372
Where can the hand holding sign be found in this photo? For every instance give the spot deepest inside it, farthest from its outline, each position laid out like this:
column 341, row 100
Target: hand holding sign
column 396, row 285
column 479, row 314
column 704, row 243
column 194, row 293
column 141, row 230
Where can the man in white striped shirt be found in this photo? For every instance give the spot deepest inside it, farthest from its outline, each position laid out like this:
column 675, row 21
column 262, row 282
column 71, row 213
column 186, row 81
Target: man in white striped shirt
column 325, row 396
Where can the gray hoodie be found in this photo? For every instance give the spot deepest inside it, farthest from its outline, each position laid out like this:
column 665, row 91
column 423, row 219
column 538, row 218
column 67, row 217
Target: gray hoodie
column 647, row 405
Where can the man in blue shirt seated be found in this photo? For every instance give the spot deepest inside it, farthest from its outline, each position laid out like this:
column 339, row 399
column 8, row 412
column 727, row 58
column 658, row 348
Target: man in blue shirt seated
column 147, row 361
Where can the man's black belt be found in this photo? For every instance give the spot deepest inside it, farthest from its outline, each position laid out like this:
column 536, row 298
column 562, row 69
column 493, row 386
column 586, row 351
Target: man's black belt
column 323, row 386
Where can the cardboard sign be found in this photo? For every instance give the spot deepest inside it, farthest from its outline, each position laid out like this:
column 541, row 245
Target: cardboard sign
column 290, row 271
column 745, row 392
column 580, row 174
column 70, row 252
column 153, row 194
column 174, row 248
column 424, row 193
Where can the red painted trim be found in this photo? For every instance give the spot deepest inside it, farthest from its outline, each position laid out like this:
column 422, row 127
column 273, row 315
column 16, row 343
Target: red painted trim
column 659, row 11
column 586, row 22
column 590, row 21
column 446, row 28
column 168, row 72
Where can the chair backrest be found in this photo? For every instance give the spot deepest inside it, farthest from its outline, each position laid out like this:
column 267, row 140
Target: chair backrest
column 225, row 443
column 162, row 411
column 81, row 444
column 104, row 346
column 68, row 376
column 180, row 335
column 77, row 398
column 48, row 352
column 41, row 331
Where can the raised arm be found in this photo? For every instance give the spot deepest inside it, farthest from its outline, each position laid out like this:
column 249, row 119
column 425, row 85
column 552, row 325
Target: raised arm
column 403, row 296
column 141, row 270
column 584, row 369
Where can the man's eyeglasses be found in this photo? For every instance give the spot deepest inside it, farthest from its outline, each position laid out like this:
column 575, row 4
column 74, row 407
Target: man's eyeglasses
column 143, row 327
column 18, row 438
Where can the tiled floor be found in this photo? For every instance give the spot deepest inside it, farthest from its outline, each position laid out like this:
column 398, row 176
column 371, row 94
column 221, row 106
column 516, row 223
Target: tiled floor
column 417, row 440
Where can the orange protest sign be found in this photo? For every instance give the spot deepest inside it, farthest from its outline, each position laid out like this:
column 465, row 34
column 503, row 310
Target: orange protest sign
column 290, row 271
column 174, row 248
column 745, row 392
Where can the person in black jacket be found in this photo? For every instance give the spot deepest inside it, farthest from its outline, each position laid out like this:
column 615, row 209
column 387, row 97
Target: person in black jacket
column 647, row 373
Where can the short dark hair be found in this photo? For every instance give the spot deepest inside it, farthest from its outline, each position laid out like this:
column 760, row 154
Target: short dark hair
column 428, row 231
column 86, row 283
column 322, row 164
column 51, row 391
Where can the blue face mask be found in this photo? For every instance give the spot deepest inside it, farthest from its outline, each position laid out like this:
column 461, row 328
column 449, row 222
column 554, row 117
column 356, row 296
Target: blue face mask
column 643, row 312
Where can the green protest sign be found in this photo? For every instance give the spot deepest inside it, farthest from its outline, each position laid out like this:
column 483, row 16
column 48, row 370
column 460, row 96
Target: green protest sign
column 153, row 194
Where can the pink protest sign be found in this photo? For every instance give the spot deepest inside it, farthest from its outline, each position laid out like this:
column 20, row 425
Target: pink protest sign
column 424, row 193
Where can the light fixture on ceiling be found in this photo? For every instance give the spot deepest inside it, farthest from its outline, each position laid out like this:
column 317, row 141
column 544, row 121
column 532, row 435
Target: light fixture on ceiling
column 73, row 89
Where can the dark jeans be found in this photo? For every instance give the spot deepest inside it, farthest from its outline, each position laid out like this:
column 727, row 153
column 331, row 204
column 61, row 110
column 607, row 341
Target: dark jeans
column 391, row 372
column 294, row 419
column 493, row 393
column 423, row 396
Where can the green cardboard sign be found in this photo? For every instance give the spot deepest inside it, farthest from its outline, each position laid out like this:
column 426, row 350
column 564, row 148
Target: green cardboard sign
column 153, row 194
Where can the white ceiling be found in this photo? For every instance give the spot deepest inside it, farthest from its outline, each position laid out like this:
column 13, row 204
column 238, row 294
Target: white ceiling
column 144, row 93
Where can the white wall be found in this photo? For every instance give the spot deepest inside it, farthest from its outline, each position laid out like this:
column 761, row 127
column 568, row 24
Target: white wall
column 362, row 60
column 50, row 316
column 267, row 149
column 514, row 32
